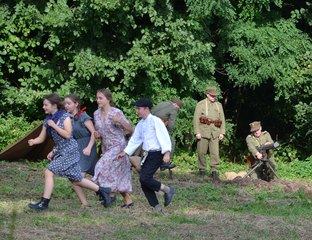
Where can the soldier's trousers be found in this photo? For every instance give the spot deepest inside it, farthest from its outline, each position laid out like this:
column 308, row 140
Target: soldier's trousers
column 202, row 147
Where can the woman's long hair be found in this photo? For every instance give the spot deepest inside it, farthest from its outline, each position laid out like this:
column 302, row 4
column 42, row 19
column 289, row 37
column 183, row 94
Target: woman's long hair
column 108, row 94
column 75, row 98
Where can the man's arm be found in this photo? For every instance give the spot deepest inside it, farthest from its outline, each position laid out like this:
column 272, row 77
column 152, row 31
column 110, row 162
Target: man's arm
column 172, row 120
column 268, row 138
column 251, row 146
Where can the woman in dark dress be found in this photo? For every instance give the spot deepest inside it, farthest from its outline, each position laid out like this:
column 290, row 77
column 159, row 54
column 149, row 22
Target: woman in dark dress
column 83, row 132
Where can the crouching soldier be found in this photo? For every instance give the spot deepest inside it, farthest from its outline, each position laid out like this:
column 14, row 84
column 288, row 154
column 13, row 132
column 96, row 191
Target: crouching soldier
column 255, row 140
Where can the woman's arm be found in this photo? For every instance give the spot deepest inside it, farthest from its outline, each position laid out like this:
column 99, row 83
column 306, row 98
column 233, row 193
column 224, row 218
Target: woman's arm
column 40, row 139
column 121, row 119
column 89, row 125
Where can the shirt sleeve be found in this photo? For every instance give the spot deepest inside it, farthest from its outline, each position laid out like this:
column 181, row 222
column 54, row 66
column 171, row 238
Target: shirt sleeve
column 135, row 141
column 85, row 117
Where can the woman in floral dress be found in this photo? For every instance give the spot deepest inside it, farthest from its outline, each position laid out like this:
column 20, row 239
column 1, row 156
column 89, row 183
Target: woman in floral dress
column 65, row 155
column 111, row 125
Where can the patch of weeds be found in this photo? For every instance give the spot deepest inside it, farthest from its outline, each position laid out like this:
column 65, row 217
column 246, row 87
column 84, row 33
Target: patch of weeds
column 232, row 167
column 63, row 188
column 141, row 232
column 12, row 225
column 276, row 203
column 7, row 190
column 48, row 218
column 197, row 195
column 178, row 219
column 9, row 171
column 37, row 166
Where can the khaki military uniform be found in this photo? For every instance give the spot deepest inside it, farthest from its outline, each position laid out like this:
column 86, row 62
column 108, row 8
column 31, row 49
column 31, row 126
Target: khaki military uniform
column 252, row 143
column 168, row 113
column 209, row 133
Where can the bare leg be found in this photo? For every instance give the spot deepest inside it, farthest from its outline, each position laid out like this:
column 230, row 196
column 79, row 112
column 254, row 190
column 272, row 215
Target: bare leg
column 86, row 183
column 126, row 198
column 80, row 193
column 48, row 184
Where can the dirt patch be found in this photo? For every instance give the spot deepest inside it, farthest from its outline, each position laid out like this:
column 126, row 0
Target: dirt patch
column 286, row 186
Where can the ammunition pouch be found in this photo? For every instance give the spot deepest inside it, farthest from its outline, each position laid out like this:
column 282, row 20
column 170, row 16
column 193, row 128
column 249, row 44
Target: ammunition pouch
column 205, row 120
column 218, row 123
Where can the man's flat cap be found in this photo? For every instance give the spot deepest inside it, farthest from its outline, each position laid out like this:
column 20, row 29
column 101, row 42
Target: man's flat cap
column 144, row 102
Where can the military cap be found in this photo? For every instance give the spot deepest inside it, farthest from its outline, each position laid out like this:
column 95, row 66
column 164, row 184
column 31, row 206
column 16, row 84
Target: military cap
column 144, row 102
column 212, row 91
column 177, row 101
column 255, row 126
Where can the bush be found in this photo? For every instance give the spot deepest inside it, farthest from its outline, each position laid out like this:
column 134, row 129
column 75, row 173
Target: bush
column 12, row 128
column 295, row 170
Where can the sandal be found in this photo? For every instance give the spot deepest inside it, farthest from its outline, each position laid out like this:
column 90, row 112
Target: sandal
column 130, row 205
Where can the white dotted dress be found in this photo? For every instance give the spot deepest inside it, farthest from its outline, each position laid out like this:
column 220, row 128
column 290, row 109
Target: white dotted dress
column 66, row 159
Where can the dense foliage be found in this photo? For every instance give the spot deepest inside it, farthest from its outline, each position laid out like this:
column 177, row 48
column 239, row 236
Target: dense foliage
column 258, row 53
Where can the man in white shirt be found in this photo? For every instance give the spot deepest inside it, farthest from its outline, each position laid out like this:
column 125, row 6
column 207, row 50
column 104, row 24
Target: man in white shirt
column 153, row 134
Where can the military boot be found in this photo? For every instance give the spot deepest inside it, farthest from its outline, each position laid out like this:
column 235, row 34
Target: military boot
column 165, row 166
column 43, row 204
column 214, row 176
column 105, row 198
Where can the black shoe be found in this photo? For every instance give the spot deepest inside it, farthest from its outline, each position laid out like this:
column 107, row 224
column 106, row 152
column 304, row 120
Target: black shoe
column 130, row 205
column 43, row 204
column 169, row 196
column 105, row 196
column 214, row 175
column 105, row 190
column 165, row 166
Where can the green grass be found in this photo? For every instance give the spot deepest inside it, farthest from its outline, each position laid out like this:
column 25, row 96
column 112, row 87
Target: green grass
column 201, row 209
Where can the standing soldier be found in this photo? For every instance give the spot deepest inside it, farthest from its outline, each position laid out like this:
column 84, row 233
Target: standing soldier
column 257, row 139
column 168, row 111
column 209, row 129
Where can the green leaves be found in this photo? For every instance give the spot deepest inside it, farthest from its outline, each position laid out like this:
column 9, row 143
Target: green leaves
column 208, row 9
column 268, row 52
column 157, row 49
column 250, row 9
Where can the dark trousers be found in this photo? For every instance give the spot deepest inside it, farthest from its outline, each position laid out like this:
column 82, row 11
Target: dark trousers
column 148, row 183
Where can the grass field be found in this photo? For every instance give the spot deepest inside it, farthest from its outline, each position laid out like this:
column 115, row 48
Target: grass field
column 201, row 209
